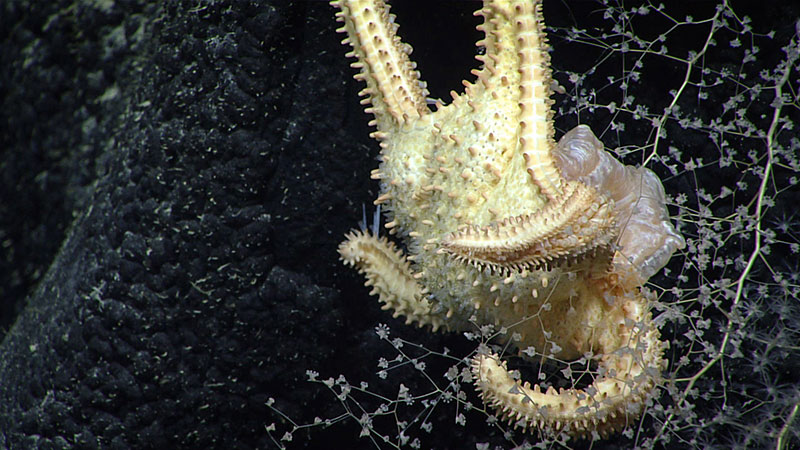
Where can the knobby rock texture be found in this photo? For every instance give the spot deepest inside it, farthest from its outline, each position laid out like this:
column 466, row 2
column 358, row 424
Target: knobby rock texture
column 165, row 267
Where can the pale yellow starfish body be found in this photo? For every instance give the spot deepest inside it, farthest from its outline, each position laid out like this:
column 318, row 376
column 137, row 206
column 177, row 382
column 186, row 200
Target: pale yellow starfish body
column 548, row 241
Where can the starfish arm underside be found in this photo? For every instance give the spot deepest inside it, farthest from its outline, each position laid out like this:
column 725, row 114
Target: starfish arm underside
column 628, row 378
column 389, row 274
column 564, row 232
column 393, row 87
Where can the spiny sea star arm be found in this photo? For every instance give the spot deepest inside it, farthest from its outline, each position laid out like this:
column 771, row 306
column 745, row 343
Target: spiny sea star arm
column 389, row 274
column 577, row 226
column 628, row 377
column 517, row 60
column 393, row 85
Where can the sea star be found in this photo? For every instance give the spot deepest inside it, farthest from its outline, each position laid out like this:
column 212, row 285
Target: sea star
column 548, row 242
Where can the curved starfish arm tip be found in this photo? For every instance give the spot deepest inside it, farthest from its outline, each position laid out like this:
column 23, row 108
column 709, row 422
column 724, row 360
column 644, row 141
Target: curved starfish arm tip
column 388, row 272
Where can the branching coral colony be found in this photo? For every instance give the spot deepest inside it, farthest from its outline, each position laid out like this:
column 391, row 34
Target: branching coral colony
column 503, row 226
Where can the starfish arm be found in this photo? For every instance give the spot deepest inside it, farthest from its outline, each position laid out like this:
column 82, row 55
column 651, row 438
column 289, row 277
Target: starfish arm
column 394, row 89
column 517, row 59
column 389, row 274
column 629, row 377
column 577, row 225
